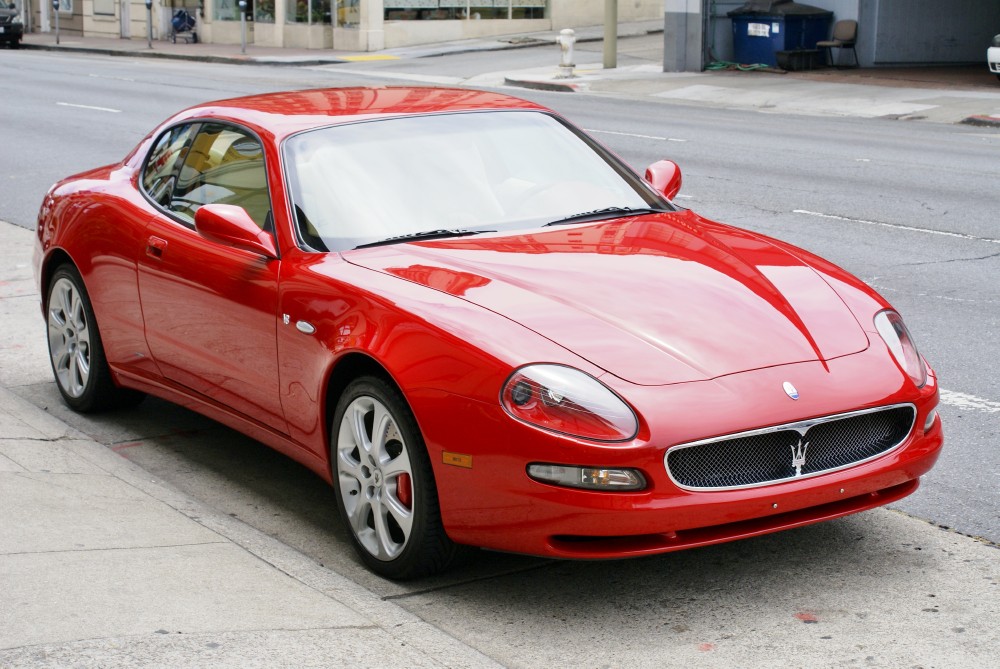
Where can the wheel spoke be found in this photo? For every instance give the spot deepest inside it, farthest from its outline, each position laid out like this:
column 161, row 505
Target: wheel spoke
column 397, row 465
column 78, row 372
column 359, row 431
column 403, row 516
column 383, row 427
column 388, row 548
column 348, row 466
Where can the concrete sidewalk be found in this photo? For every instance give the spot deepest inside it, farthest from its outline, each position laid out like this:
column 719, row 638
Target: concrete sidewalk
column 100, row 565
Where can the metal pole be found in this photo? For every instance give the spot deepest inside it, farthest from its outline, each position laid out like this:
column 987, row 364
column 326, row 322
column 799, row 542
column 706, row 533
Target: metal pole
column 149, row 25
column 243, row 26
column 610, row 34
column 55, row 8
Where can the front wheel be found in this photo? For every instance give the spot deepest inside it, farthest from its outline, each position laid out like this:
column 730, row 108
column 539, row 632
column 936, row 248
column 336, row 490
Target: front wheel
column 385, row 487
column 75, row 349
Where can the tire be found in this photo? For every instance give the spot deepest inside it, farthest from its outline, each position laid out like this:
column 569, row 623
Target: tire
column 75, row 350
column 386, row 494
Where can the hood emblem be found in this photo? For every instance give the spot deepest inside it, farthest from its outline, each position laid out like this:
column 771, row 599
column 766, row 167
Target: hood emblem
column 799, row 456
column 790, row 390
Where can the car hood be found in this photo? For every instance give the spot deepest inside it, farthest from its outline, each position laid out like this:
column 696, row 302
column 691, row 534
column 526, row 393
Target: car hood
column 657, row 299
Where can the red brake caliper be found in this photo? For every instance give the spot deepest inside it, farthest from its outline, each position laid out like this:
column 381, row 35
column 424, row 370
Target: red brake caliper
column 404, row 490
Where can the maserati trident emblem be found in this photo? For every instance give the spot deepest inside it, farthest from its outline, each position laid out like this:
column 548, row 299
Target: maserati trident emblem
column 799, row 456
column 790, row 390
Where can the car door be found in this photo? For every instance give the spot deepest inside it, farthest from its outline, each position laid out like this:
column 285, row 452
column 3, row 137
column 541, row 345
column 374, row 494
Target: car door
column 210, row 309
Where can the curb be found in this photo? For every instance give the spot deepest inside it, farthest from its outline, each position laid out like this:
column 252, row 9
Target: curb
column 545, row 85
column 982, row 121
column 229, row 60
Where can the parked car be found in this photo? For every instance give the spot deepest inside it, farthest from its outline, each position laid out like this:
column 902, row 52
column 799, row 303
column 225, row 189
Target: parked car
column 481, row 326
column 11, row 28
column 993, row 56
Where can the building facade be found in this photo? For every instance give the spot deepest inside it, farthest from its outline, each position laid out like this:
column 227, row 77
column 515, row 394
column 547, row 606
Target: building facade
column 348, row 25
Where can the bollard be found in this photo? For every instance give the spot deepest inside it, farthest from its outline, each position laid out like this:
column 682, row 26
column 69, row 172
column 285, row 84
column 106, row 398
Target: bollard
column 566, row 40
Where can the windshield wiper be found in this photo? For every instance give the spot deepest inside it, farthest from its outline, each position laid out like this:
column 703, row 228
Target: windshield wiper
column 426, row 234
column 607, row 212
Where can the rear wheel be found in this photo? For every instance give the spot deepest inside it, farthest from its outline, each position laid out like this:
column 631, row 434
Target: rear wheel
column 75, row 350
column 385, row 487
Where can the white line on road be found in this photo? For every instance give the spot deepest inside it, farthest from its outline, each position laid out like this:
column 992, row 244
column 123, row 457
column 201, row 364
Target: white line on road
column 104, row 76
column 632, row 134
column 896, row 226
column 104, row 109
column 970, row 402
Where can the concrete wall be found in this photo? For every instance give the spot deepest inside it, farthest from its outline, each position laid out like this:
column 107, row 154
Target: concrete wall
column 684, row 25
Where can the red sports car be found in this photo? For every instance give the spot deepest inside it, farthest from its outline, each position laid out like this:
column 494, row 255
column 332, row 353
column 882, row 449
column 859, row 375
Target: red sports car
column 481, row 326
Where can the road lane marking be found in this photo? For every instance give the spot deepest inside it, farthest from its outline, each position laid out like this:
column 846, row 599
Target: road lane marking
column 632, row 134
column 104, row 76
column 969, row 402
column 104, row 109
column 896, row 226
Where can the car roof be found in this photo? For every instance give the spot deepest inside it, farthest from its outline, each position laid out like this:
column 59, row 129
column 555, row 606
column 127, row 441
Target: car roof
column 285, row 113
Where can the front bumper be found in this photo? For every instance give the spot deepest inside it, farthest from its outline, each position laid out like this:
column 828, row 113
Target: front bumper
column 993, row 59
column 11, row 32
column 495, row 505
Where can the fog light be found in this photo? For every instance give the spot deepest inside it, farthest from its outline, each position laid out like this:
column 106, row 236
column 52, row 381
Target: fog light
column 929, row 423
column 588, row 478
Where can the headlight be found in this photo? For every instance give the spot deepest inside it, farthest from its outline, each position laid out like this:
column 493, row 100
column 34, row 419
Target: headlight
column 895, row 335
column 568, row 401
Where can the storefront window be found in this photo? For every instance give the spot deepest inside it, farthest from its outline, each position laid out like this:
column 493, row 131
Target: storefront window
column 263, row 11
column 308, row 11
column 348, row 13
column 228, row 10
column 412, row 10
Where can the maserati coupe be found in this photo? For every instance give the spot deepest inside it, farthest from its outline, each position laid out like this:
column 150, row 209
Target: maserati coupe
column 481, row 326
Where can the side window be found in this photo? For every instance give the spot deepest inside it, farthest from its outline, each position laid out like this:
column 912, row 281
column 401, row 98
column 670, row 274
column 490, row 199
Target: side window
column 224, row 165
column 160, row 174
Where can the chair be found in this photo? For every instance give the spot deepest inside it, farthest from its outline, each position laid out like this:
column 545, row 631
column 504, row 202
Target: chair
column 845, row 36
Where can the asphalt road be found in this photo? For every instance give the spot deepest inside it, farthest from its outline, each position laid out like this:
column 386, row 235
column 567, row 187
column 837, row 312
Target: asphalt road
column 909, row 207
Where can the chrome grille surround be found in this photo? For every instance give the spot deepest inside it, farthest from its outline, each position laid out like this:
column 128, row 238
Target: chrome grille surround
column 767, row 456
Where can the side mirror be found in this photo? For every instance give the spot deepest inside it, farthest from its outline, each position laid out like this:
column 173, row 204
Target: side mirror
column 232, row 225
column 665, row 177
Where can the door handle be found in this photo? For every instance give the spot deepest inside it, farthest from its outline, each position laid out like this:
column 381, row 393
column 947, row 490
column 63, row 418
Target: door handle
column 155, row 247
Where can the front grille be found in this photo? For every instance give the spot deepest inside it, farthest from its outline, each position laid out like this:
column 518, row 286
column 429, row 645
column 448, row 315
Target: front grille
column 791, row 451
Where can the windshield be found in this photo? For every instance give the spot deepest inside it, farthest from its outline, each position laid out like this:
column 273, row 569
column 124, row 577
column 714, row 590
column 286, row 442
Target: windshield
column 373, row 181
